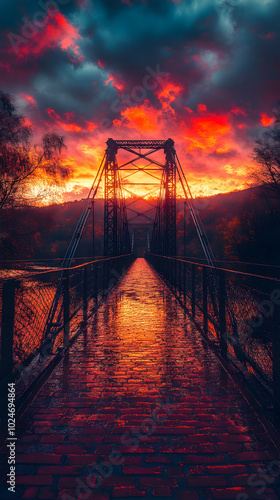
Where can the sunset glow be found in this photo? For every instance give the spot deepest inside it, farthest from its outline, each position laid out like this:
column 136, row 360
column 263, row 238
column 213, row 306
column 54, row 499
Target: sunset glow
column 141, row 72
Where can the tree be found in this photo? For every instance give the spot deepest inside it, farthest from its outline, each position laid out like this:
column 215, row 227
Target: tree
column 23, row 163
column 267, row 156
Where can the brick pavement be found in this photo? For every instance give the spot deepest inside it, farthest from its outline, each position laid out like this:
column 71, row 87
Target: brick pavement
column 141, row 407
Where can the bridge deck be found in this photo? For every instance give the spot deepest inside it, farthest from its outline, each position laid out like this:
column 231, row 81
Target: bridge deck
column 142, row 369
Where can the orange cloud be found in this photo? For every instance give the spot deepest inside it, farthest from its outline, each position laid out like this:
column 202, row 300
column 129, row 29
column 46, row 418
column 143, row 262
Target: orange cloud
column 205, row 132
column 169, row 93
column 266, row 120
column 142, row 118
column 70, row 127
column 91, row 126
column 223, row 149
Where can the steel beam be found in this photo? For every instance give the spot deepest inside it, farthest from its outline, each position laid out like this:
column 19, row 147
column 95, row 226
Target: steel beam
column 111, row 201
column 169, row 207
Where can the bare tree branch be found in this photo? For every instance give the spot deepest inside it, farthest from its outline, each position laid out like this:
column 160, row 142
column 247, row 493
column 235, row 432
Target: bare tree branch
column 21, row 162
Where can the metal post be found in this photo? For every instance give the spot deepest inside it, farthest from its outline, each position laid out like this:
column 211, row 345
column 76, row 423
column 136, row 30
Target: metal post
column 103, row 277
column 205, row 305
column 169, row 204
column 95, row 272
column 175, row 276
column 193, row 290
column 85, row 294
column 180, row 278
column 222, row 312
column 276, row 358
column 7, row 327
column 111, row 203
column 185, row 228
column 66, row 308
column 132, row 242
column 93, row 232
column 184, row 283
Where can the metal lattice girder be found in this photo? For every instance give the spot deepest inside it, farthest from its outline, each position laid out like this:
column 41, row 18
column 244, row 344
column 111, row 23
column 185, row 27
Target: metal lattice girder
column 111, row 202
column 115, row 220
column 169, row 206
column 116, row 234
column 153, row 144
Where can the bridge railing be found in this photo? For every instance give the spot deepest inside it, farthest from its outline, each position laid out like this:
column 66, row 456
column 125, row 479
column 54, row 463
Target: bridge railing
column 239, row 312
column 25, row 305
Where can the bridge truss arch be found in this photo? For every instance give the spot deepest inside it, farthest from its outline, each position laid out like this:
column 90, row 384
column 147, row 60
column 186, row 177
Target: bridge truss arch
column 117, row 237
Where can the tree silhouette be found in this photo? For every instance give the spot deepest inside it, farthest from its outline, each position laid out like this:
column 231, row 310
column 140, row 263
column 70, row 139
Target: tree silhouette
column 267, row 156
column 22, row 162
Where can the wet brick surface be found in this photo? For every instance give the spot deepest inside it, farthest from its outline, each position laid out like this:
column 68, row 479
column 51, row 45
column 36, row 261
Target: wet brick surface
column 141, row 407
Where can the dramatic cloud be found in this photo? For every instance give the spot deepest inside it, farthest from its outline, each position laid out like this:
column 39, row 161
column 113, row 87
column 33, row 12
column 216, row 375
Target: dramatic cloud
column 202, row 72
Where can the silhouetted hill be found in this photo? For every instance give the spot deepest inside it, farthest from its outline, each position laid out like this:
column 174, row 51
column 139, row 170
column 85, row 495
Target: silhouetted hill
column 240, row 225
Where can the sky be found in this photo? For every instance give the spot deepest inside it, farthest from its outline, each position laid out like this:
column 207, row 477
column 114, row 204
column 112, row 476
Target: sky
column 203, row 72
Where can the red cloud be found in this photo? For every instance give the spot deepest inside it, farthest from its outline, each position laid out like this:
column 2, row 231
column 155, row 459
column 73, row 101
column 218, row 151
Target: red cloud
column 57, row 32
column 207, row 132
column 70, row 115
column 269, row 36
column 169, row 93
column 28, row 98
column 266, row 120
column 238, row 111
column 115, row 82
column 142, row 118
column 201, row 107
column 91, row 126
column 27, row 122
column 69, row 127
column 53, row 114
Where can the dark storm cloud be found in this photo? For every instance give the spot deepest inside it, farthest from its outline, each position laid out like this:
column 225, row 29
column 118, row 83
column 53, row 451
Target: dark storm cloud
column 128, row 38
column 221, row 55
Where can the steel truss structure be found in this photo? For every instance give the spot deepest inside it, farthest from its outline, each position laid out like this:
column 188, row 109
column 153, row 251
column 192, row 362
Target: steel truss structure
column 115, row 220
column 117, row 239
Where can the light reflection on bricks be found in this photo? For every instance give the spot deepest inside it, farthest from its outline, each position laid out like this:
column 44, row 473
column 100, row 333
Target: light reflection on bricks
column 140, row 349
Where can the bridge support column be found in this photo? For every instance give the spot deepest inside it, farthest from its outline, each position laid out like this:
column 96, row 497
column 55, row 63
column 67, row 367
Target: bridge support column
column 93, row 232
column 205, row 299
column 193, row 290
column 66, row 309
column 185, row 228
column 169, row 205
column 111, row 201
column 184, row 283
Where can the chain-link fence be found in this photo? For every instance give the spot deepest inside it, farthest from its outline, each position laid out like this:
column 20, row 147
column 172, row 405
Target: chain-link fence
column 237, row 311
column 73, row 295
